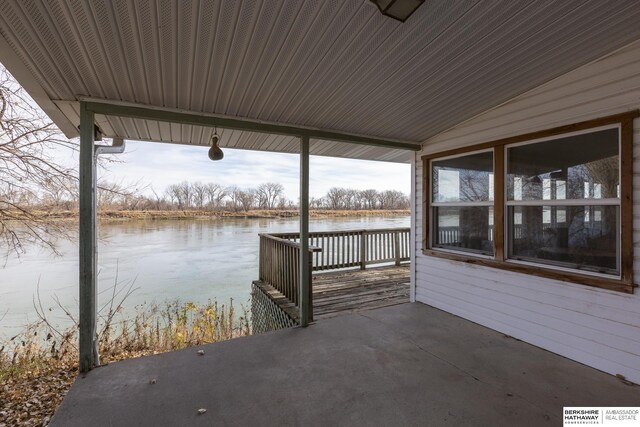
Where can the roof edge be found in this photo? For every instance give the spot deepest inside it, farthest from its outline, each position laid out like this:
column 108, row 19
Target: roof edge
column 25, row 78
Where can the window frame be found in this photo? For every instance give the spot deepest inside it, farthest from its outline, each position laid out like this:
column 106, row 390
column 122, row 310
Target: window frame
column 622, row 283
column 586, row 202
column 432, row 204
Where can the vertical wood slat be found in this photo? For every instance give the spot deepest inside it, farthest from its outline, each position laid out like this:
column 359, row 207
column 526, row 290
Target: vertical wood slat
column 325, row 243
column 333, row 249
column 363, row 250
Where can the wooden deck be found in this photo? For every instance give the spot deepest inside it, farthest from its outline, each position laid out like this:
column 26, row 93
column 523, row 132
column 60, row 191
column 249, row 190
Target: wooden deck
column 348, row 291
column 281, row 296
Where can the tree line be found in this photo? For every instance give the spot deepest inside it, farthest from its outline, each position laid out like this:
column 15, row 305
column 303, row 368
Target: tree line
column 265, row 196
column 206, row 197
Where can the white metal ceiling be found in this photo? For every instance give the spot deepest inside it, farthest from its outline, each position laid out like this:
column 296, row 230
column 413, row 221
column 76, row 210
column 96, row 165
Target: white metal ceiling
column 333, row 64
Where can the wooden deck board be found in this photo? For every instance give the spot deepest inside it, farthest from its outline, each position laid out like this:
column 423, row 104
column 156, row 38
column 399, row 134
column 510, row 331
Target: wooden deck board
column 347, row 291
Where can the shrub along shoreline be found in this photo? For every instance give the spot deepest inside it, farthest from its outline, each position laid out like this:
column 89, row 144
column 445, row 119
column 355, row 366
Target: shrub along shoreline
column 202, row 214
column 38, row 366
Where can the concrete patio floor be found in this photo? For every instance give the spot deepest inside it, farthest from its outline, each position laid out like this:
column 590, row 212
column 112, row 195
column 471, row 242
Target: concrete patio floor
column 408, row 364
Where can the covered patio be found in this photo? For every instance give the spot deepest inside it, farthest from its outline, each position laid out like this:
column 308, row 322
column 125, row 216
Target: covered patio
column 340, row 79
column 408, row 364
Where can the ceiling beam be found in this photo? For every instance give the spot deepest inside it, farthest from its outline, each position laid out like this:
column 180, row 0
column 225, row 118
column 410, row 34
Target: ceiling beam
column 138, row 111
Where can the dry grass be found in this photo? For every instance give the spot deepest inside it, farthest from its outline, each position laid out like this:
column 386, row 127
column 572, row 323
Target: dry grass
column 38, row 366
column 112, row 215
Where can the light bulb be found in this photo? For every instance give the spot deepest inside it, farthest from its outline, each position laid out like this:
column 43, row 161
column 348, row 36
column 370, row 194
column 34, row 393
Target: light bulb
column 215, row 153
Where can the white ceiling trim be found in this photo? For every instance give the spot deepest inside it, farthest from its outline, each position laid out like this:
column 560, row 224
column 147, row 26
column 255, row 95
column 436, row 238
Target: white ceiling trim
column 16, row 66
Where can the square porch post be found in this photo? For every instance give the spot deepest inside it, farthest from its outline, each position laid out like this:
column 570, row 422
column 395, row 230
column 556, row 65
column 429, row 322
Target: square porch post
column 87, row 237
column 304, row 270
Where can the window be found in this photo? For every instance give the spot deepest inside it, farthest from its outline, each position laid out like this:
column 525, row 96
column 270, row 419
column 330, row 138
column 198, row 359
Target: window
column 586, row 165
column 463, row 203
column 555, row 203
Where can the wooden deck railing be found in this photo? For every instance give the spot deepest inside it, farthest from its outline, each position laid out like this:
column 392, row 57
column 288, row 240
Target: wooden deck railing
column 279, row 265
column 356, row 248
column 279, row 262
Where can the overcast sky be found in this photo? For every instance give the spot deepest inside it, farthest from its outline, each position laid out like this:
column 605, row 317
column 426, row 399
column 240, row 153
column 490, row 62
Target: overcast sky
column 163, row 164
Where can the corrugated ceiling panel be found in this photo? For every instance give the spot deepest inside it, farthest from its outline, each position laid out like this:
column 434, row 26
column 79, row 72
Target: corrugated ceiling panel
column 335, row 64
column 146, row 130
column 526, row 70
column 319, row 46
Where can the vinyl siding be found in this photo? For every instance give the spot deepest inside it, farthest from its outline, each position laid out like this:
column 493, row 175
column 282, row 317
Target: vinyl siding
column 597, row 327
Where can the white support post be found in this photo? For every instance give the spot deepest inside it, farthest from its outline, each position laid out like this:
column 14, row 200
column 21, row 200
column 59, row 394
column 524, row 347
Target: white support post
column 87, row 236
column 305, row 270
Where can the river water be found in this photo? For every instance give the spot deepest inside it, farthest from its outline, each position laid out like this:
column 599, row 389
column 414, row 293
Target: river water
column 165, row 260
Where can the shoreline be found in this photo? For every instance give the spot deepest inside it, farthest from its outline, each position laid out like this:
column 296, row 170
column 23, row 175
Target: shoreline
column 127, row 215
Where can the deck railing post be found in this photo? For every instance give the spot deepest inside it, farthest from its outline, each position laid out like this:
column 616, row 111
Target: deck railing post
column 363, row 249
column 396, row 246
column 305, row 270
column 87, row 242
column 310, row 281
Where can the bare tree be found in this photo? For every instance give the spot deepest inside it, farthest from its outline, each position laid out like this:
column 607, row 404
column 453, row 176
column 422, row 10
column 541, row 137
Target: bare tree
column 317, row 202
column 352, row 199
column 369, row 198
column 108, row 195
column 335, row 198
column 199, row 191
column 246, row 199
column 174, row 194
column 28, row 140
column 284, row 203
column 186, row 194
column 268, row 194
column 62, row 194
column 240, row 199
column 158, row 201
column 393, row 199
column 235, row 195
column 215, row 195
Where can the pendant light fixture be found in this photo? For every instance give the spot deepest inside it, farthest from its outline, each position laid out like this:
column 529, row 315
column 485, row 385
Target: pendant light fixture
column 215, row 153
column 398, row 9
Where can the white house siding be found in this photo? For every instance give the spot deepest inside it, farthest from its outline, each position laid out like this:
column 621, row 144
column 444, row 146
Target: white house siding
column 597, row 327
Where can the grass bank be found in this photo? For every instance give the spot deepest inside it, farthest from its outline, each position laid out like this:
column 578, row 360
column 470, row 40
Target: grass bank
column 117, row 215
column 38, row 366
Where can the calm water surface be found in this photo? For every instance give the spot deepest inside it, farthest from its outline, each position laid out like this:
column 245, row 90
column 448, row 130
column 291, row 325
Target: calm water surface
column 191, row 260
